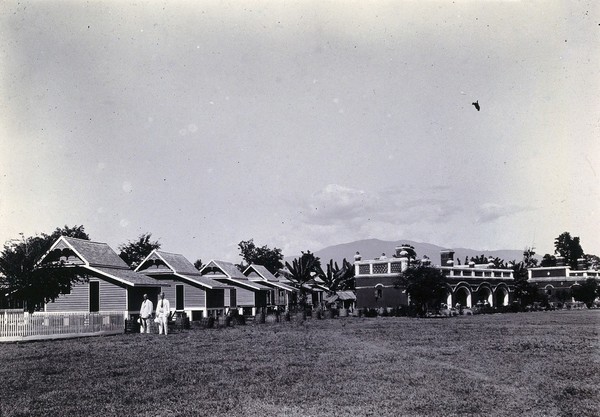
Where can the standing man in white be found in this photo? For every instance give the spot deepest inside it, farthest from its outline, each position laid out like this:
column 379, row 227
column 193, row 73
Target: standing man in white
column 162, row 314
column 145, row 313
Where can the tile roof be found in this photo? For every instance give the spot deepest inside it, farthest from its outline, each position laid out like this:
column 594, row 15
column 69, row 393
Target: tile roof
column 96, row 253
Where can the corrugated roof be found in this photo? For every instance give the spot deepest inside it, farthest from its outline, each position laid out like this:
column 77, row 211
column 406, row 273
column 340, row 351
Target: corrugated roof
column 346, row 295
column 342, row 296
column 96, row 253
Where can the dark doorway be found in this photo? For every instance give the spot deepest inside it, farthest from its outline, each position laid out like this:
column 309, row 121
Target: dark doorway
column 179, row 303
column 94, row 296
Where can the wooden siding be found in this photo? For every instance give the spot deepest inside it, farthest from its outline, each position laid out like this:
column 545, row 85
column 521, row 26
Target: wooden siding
column 245, row 298
column 194, row 297
column 77, row 300
column 112, row 298
column 169, row 291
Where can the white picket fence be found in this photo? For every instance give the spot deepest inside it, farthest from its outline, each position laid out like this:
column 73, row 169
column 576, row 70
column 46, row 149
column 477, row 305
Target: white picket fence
column 17, row 326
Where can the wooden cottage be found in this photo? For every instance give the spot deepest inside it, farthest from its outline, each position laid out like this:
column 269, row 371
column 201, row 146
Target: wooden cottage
column 110, row 285
column 249, row 296
column 281, row 294
column 189, row 291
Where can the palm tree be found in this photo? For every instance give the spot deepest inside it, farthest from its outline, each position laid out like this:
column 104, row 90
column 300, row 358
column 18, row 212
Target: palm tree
column 301, row 271
column 336, row 278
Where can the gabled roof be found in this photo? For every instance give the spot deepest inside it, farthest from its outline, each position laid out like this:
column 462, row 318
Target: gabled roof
column 175, row 265
column 262, row 275
column 261, row 271
column 91, row 253
column 225, row 268
column 98, row 259
column 175, row 262
column 228, row 271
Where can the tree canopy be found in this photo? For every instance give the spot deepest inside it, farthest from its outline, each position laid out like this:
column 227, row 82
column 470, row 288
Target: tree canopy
column 134, row 252
column 198, row 264
column 301, row 271
column 252, row 254
column 569, row 248
column 526, row 293
column 426, row 286
column 338, row 278
column 28, row 284
column 586, row 292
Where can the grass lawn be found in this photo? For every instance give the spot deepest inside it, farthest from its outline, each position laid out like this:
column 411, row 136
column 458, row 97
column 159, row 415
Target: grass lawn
column 532, row 364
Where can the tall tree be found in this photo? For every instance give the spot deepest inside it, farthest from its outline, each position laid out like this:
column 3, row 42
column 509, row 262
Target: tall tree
column 251, row 254
column 30, row 284
column 134, row 252
column 569, row 248
column 529, row 258
column 426, row 286
column 525, row 292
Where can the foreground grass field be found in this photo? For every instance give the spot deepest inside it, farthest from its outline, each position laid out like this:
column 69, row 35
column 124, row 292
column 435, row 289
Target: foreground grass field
column 533, row 364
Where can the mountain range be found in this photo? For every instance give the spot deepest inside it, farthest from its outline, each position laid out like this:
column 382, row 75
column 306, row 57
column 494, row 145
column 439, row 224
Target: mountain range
column 372, row 248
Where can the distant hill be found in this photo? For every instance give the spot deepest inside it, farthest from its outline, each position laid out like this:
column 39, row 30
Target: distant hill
column 372, row 248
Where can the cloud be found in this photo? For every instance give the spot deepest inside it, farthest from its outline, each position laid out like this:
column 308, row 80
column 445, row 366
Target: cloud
column 489, row 212
column 337, row 204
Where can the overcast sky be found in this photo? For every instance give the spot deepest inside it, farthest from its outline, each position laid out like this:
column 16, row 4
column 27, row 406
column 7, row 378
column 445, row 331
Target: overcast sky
column 301, row 124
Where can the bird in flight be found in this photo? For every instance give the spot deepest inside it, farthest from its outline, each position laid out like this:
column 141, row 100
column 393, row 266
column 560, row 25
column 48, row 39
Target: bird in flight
column 476, row 104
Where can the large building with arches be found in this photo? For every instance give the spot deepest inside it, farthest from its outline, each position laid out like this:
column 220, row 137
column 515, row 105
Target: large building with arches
column 557, row 282
column 467, row 285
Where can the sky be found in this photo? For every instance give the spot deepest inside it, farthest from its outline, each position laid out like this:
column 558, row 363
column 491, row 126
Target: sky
column 301, row 124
